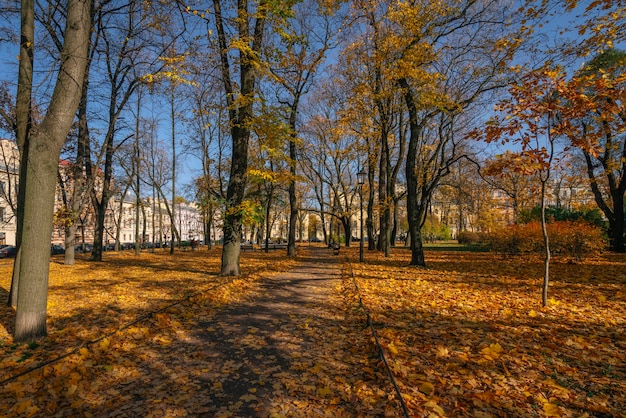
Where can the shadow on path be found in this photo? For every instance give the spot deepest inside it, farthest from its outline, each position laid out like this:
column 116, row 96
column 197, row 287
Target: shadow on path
column 290, row 351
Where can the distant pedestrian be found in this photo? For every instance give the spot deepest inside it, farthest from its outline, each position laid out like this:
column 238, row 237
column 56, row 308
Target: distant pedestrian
column 193, row 245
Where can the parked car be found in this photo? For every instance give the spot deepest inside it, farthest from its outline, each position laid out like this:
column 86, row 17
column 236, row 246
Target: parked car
column 83, row 248
column 8, row 251
column 56, row 249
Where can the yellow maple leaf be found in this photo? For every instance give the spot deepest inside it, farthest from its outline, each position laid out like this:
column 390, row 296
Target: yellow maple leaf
column 492, row 352
column 392, row 349
column 104, row 344
column 551, row 410
column 442, row 351
column 426, row 387
column 324, row 391
column 432, row 405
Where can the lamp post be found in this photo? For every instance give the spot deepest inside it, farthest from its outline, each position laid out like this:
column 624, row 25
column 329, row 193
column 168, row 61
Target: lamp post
column 361, row 176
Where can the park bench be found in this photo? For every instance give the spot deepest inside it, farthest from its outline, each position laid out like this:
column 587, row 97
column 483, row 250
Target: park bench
column 275, row 246
column 247, row 247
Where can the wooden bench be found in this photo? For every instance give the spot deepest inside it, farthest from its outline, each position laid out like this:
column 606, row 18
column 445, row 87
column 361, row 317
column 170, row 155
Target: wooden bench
column 274, row 246
column 247, row 247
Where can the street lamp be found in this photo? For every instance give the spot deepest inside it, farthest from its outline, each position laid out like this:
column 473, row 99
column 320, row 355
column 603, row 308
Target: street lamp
column 361, row 177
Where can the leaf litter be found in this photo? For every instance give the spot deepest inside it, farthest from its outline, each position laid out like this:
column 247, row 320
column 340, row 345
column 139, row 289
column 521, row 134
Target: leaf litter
column 207, row 345
column 465, row 337
column 468, row 336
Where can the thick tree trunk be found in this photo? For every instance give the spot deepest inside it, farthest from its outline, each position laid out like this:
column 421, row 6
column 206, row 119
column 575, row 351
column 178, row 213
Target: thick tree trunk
column 70, row 232
column 232, row 246
column 614, row 214
column 268, row 207
column 394, row 229
column 79, row 187
column 30, row 322
column 44, row 148
column 347, row 230
column 369, row 223
column 412, row 199
column 616, row 223
column 382, row 193
column 98, row 233
column 240, row 114
column 293, row 202
column 23, row 125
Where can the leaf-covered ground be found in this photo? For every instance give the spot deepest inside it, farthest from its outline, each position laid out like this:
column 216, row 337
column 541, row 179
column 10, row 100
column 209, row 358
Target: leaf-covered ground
column 166, row 336
column 266, row 344
column 468, row 336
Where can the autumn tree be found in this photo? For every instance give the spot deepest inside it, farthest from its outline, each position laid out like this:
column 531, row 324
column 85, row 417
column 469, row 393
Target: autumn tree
column 329, row 160
column 446, row 57
column 40, row 150
column 600, row 25
column 295, row 57
column 598, row 94
column 241, row 33
column 534, row 118
column 505, row 174
column 389, row 134
column 206, row 127
column 463, row 194
column 130, row 41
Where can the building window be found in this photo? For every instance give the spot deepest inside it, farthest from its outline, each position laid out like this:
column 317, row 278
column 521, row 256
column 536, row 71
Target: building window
column 2, row 214
column 3, row 191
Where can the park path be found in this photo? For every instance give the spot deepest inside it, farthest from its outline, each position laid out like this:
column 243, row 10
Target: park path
column 292, row 350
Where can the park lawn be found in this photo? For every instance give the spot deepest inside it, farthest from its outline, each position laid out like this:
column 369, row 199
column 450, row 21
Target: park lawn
column 467, row 335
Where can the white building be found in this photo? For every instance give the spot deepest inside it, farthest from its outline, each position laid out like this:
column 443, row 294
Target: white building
column 9, row 175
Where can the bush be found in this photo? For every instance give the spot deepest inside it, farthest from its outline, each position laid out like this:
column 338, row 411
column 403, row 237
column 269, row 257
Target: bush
column 469, row 238
column 576, row 239
column 433, row 230
column 555, row 213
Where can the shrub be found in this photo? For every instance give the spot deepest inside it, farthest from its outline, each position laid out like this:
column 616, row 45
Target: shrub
column 469, row 237
column 433, row 230
column 567, row 238
column 556, row 213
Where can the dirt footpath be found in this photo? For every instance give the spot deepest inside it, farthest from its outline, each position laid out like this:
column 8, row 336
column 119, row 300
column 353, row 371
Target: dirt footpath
column 299, row 348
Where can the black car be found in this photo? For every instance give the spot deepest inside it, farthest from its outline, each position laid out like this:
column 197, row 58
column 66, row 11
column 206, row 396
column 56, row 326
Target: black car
column 57, row 249
column 8, row 251
column 83, row 248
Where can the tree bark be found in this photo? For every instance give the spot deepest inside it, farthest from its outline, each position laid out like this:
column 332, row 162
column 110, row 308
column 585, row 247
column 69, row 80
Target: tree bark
column 617, row 187
column 412, row 205
column 240, row 114
column 23, row 125
column 44, row 147
column 546, row 243
column 293, row 201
